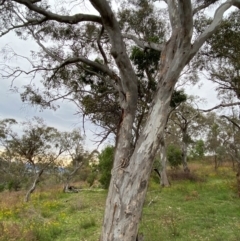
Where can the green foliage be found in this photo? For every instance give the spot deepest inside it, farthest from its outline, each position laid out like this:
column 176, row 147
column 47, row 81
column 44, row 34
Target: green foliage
column 145, row 60
column 13, row 185
column 105, row 165
column 2, row 187
column 91, row 178
column 199, row 150
column 174, row 156
column 178, row 97
column 142, row 17
column 223, row 54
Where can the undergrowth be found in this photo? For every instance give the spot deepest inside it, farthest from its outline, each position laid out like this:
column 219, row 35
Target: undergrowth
column 202, row 206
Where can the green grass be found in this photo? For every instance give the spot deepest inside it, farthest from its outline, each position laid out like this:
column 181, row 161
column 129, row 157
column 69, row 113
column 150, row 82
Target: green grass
column 188, row 210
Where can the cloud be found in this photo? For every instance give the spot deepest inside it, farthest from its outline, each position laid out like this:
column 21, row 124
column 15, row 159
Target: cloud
column 11, row 106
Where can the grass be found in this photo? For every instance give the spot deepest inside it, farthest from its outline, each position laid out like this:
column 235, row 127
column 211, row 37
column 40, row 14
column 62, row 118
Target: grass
column 205, row 208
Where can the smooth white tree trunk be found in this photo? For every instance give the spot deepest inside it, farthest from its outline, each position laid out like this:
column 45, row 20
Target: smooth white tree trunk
column 129, row 184
column 164, row 182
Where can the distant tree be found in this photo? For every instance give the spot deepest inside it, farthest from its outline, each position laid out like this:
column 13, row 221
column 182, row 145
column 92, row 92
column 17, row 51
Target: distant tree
column 183, row 117
column 231, row 125
column 38, row 147
column 213, row 138
column 75, row 155
column 12, row 172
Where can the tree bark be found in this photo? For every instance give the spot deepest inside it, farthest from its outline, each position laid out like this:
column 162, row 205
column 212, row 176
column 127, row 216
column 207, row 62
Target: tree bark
column 184, row 153
column 131, row 170
column 33, row 187
column 163, row 171
column 129, row 184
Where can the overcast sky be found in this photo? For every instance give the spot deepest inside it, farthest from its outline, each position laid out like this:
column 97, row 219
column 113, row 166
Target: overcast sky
column 64, row 118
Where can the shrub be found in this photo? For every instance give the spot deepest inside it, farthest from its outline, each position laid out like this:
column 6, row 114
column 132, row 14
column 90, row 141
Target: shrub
column 2, row 187
column 13, row 185
column 174, row 156
column 105, row 165
column 199, row 150
column 91, row 178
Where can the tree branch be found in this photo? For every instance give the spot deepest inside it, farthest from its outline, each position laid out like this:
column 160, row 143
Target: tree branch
column 94, row 64
column 26, row 24
column 219, row 106
column 202, row 6
column 119, row 53
column 173, row 14
column 36, row 37
column 233, row 122
column 186, row 19
column 143, row 44
column 59, row 18
column 100, row 46
column 213, row 26
column 112, row 82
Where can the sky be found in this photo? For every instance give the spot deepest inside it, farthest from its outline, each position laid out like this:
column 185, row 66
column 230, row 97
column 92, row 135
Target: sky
column 64, row 118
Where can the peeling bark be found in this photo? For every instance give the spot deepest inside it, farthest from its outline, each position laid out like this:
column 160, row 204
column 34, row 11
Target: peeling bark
column 129, row 185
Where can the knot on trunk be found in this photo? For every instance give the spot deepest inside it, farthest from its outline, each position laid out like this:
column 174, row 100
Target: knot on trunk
column 143, row 185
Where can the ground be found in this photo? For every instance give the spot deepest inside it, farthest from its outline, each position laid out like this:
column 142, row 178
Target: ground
column 206, row 207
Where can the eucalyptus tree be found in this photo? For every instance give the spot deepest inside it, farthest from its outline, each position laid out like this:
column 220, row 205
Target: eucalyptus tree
column 232, row 128
column 37, row 148
column 75, row 155
column 189, row 124
column 220, row 58
column 222, row 53
column 100, row 104
column 13, row 172
column 218, row 138
column 233, row 146
column 58, row 62
column 228, row 142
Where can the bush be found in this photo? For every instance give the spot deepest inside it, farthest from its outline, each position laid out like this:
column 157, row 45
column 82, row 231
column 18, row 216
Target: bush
column 13, row 185
column 174, row 156
column 91, row 178
column 2, row 187
column 198, row 151
column 105, row 165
